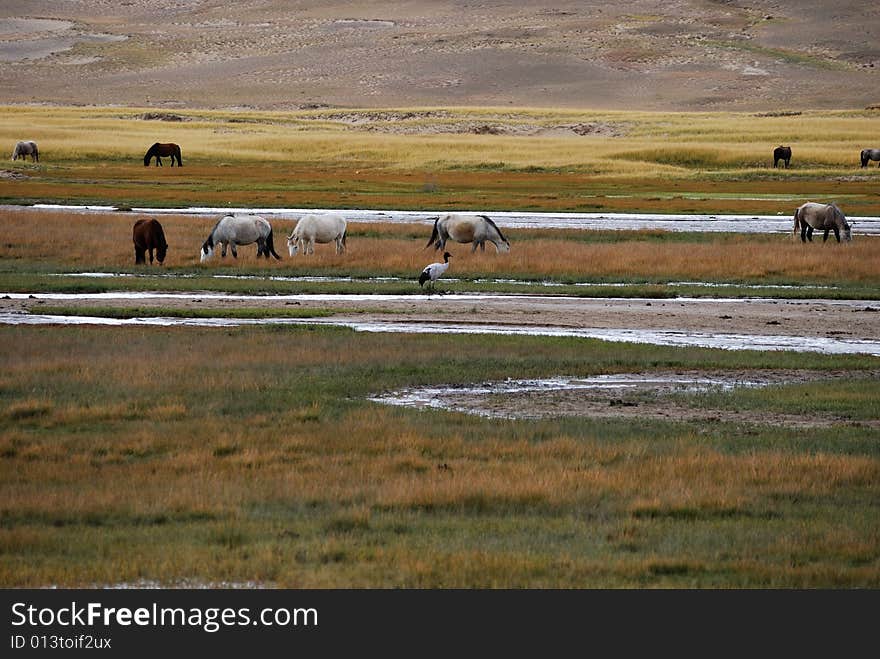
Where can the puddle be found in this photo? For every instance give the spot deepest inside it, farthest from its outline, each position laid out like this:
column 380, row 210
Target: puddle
column 190, row 584
column 635, row 396
column 864, row 225
column 516, row 282
column 542, row 397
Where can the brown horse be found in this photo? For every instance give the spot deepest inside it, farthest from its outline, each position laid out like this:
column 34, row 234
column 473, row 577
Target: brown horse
column 782, row 153
column 148, row 235
column 159, row 151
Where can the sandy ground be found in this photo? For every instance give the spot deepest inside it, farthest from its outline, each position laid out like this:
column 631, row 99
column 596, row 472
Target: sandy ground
column 808, row 318
column 269, row 54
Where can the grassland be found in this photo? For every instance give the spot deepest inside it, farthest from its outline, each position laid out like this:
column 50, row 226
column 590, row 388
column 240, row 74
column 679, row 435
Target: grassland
column 213, row 456
column 424, row 159
column 252, row 456
column 35, row 251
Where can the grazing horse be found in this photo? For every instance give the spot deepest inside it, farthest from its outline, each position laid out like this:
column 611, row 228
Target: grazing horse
column 159, row 151
column 826, row 217
column 236, row 230
column 782, row 153
column 467, row 229
column 147, row 236
column 870, row 154
column 311, row 229
column 24, row 149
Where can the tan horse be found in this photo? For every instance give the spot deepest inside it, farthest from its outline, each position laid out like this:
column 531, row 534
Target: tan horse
column 476, row 229
column 826, row 217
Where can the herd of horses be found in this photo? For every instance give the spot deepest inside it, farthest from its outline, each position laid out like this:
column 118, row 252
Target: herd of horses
column 161, row 150
column 235, row 230
column 232, row 231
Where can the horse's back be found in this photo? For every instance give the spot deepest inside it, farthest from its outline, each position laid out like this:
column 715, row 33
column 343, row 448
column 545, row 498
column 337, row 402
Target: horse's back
column 461, row 228
column 242, row 229
column 148, row 232
column 321, row 228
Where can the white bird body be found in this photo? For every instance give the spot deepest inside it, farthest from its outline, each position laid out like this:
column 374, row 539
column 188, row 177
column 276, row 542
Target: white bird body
column 433, row 272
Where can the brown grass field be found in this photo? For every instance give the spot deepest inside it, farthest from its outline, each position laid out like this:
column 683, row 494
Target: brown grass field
column 250, row 456
column 78, row 240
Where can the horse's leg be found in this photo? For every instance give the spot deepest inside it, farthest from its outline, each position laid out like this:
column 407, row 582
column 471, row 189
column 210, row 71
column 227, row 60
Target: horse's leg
column 223, row 250
column 810, row 233
column 825, row 235
column 234, row 251
column 138, row 256
column 836, row 233
column 151, row 256
column 803, row 232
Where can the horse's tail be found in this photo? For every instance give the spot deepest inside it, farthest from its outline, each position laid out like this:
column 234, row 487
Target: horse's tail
column 177, row 151
column 270, row 245
column 797, row 222
column 864, row 157
column 435, row 234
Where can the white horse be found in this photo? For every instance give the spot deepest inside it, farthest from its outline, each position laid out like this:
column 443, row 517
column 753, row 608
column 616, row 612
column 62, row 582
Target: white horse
column 24, row 149
column 476, row 229
column 825, row 217
column 233, row 230
column 311, row 229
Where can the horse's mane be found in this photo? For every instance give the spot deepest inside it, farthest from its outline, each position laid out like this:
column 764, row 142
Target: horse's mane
column 489, row 220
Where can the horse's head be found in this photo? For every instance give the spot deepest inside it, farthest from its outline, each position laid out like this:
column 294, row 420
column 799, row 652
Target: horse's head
column 502, row 247
column 147, row 159
column 292, row 244
column 841, row 223
column 161, row 251
column 207, row 250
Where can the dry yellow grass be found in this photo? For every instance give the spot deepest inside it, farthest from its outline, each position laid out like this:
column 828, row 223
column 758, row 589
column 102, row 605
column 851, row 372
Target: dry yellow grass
column 101, row 241
column 675, row 144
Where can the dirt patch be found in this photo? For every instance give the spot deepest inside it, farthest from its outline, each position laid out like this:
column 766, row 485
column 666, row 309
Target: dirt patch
column 644, row 54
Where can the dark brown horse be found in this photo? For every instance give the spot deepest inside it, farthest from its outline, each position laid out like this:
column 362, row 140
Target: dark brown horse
column 159, row 151
column 782, row 153
column 148, row 235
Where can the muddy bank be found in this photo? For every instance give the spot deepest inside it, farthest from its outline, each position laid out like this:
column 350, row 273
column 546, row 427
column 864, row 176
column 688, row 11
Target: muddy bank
column 653, row 395
column 830, row 326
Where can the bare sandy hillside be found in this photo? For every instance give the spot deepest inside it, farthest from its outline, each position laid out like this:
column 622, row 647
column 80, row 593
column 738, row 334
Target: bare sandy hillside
column 268, row 54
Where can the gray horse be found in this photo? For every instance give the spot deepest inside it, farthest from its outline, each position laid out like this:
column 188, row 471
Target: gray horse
column 826, row 217
column 869, row 154
column 233, row 230
column 24, row 149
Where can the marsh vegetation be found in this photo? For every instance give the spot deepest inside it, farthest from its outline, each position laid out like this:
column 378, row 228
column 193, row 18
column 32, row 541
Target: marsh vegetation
column 255, row 455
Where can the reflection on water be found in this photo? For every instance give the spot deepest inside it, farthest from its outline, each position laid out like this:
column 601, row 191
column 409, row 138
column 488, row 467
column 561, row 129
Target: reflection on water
column 864, row 225
column 827, row 345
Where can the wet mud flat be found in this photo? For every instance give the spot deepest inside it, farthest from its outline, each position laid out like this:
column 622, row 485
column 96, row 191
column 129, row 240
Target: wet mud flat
column 831, row 326
column 657, row 395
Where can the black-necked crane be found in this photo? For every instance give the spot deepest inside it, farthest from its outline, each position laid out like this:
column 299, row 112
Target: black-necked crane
column 433, row 272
